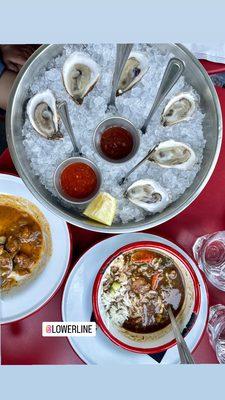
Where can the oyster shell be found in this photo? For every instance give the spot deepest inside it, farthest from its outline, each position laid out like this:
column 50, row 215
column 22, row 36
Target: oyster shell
column 171, row 154
column 135, row 67
column 179, row 108
column 42, row 112
column 148, row 194
column 80, row 74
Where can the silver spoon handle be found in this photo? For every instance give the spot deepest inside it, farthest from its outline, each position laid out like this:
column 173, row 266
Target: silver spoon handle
column 184, row 352
column 122, row 54
column 171, row 75
column 137, row 165
column 64, row 114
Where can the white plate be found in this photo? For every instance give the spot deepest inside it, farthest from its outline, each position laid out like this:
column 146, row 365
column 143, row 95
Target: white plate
column 33, row 295
column 77, row 306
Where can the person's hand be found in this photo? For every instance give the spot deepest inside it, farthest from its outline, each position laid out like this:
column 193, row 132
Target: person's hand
column 14, row 56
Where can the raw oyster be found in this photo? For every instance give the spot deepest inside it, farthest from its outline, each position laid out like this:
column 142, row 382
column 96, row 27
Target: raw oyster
column 135, row 67
column 80, row 74
column 179, row 108
column 148, row 194
column 171, row 154
column 42, row 112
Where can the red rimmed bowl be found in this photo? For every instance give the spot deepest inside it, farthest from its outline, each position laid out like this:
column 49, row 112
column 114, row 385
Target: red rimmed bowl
column 162, row 339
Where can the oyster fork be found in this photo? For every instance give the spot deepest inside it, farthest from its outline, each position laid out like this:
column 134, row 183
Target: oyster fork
column 173, row 71
column 122, row 54
column 122, row 180
column 64, row 114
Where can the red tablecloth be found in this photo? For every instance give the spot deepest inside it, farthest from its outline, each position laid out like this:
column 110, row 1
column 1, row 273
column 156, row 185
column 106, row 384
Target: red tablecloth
column 212, row 67
column 22, row 342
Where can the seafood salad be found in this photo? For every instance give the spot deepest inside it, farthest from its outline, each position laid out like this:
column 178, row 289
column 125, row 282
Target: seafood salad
column 137, row 287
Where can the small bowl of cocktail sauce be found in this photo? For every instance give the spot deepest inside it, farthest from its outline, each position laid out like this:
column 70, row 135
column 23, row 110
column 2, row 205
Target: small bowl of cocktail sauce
column 116, row 139
column 77, row 180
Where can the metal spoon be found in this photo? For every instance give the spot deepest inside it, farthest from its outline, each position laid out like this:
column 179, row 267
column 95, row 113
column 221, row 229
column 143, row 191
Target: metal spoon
column 64, row 114
column 174, row 70
column 171, row 75
column 137, row 165
column 184, row 352
column 122, row 54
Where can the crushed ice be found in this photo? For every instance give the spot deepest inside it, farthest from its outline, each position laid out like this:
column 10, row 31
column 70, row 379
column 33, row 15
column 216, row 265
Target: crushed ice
column 46, row 155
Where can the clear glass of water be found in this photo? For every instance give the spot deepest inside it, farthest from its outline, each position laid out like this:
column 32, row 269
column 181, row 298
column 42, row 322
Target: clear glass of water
column 216, row 331
column 209, row 252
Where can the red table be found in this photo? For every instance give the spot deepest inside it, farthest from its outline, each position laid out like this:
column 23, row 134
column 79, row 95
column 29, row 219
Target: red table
column 22, row 342
column 212, row 67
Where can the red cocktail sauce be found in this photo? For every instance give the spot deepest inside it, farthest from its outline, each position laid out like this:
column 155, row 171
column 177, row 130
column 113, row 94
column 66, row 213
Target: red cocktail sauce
column 116, row 143
column 78, row 180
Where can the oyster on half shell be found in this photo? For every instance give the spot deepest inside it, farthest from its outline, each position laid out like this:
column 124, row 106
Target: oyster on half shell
column 136, row 66
column 179, row 108
column 80, row 74
column 148, row 194
column 172, row 154
column 42, row 112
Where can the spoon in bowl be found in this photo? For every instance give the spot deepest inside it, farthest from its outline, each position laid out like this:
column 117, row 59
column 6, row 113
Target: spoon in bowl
column 184, row 352
column 122, row 55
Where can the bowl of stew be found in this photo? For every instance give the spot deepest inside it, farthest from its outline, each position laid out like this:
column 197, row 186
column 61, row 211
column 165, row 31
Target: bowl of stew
column 133, row 289
column 25, row 242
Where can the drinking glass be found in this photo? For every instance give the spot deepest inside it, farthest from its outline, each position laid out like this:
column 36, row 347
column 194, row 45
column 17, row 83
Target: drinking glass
column 209, row 252
column 216, row 331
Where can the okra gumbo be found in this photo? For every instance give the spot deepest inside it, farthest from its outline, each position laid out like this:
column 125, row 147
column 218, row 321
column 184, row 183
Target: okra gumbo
column 137, row 288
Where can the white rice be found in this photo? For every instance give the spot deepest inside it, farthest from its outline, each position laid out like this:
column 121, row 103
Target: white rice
column 117, row 305
column 46, row 155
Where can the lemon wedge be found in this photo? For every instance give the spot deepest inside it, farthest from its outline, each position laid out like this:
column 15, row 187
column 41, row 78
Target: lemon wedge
column 102, row 208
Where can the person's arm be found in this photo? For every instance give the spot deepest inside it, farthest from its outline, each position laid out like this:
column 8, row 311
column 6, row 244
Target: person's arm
column 6, row 81
column 2, row 67
column 15, row 56
column 12, row 58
